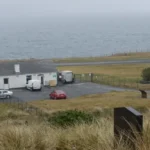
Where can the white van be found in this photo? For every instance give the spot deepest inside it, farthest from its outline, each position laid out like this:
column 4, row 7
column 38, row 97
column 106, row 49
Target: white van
column 67, row 76
column 34, row 85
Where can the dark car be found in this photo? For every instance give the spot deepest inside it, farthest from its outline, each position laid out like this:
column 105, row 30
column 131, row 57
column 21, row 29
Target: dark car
column 58, row 94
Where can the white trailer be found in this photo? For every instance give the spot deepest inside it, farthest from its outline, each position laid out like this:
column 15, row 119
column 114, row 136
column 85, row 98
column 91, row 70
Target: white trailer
column 67, row 76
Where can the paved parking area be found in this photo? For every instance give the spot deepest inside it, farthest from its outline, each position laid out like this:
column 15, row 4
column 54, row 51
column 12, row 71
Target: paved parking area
column 72, row 91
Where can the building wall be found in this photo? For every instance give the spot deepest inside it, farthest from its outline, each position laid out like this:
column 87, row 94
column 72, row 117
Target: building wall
column 14, row 81
column 19, row 81
column 49, row 76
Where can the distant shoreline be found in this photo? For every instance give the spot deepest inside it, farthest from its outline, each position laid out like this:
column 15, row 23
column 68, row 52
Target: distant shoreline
column 114, row 57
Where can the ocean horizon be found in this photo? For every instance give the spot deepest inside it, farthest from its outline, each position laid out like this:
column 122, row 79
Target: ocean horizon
column 73, row 36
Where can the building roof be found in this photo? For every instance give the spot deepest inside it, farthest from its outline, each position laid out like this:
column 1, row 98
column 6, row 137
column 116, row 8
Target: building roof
column 27, row 67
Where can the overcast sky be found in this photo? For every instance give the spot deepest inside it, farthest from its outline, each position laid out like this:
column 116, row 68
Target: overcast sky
column 17, row 8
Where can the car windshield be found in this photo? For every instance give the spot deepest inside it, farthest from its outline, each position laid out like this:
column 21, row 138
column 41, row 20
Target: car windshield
column 60, row 92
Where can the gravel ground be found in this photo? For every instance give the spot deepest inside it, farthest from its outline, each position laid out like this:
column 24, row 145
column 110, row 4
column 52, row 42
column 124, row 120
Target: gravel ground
column 72, row 91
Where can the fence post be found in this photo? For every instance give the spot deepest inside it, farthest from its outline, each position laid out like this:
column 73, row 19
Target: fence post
column 143, row 93
column 91, row 77
column 128, row 124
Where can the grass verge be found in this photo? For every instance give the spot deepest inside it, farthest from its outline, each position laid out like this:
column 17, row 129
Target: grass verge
column 94, row 102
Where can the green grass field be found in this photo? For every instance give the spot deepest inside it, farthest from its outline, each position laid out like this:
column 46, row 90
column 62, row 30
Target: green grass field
column 123, row 75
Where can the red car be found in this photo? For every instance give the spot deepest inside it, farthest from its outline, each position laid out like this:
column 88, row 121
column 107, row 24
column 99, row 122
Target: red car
column 58, row 94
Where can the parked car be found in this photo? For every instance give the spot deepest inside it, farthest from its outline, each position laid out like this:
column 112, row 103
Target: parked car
column 58, row 94
column 6, row 94
column 34, row 85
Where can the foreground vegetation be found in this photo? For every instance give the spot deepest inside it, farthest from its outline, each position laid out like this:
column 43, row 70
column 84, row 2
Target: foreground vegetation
column 118, row 56
column 39, row 134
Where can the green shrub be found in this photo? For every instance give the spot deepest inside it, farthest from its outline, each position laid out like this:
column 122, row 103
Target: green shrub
column 70, row 117
column 146, row 74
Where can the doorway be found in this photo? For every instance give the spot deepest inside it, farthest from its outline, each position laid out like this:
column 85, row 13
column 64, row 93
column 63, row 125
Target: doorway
column 28, row 77
column 42, row 80
column 6, row 83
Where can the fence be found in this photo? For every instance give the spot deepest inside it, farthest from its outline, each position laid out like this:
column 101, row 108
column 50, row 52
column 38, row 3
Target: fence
column 112, row 80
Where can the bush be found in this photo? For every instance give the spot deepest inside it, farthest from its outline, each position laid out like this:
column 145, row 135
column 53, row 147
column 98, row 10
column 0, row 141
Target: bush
column 146, row 74
column 70, row 117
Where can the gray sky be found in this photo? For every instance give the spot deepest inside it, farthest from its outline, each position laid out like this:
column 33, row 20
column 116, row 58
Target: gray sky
column 16, row 8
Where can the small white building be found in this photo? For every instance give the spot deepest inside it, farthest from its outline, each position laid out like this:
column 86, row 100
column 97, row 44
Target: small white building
column 15, row 74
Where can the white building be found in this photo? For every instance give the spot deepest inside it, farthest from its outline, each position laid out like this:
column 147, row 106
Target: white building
column 15, row 74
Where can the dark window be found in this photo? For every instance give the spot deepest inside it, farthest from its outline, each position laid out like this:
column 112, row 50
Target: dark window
column 4, row 91
column 42, row 80
column 29, row 77
column 5, row 80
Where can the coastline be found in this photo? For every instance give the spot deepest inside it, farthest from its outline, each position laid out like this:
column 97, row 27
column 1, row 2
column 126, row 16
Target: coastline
column 113, row 57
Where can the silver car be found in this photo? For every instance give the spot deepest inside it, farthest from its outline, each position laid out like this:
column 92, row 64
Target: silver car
column 6, row 94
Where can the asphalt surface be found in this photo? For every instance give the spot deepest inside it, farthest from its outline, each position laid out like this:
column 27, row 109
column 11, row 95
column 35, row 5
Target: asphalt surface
column 72, row 91
column 104, row 63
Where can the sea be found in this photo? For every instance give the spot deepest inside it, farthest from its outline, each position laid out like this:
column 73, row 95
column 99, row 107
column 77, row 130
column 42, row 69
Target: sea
column 73, row 36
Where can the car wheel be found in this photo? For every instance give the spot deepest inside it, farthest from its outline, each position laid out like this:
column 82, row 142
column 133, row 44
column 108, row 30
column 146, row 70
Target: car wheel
column 7, row 96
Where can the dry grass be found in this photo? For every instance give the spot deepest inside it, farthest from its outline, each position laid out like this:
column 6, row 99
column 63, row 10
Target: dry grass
column 119, row 56
column 95, row 101
column 9, row 111
column 95, row 136
column 10, row 114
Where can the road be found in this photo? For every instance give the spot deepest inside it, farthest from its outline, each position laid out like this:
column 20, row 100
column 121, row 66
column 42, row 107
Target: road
column 103, row 63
